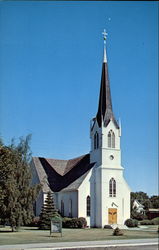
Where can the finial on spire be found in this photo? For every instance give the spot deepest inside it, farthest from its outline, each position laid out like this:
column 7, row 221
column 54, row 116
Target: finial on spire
column 105, row 37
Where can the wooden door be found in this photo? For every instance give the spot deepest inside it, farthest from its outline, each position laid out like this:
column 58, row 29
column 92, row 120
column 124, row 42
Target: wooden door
column 112, row 216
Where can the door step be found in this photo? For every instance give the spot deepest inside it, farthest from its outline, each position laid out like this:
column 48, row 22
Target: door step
column 119, row 226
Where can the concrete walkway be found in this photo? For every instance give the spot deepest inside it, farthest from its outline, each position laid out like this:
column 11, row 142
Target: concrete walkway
column 83, row 245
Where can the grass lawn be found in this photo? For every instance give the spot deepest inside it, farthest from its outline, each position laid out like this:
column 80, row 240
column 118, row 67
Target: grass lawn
column 33, row 235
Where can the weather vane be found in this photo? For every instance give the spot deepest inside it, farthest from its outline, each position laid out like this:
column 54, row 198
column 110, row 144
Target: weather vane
column 104, row 36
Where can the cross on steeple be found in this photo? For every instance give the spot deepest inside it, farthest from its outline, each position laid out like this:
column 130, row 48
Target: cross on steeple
column 104, row 33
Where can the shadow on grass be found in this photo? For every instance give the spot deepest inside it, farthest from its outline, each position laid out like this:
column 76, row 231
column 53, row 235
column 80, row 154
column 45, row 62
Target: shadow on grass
column 6, row 231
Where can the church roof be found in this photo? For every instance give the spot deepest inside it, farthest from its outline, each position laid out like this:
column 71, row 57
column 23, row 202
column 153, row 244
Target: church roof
column 105, row 110
column 62, row 174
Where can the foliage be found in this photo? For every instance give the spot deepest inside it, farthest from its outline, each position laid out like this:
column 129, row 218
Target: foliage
column 48, row 211
column 146, row 222
column 108, row 227
column 155, row 221
column 138, row 216
column 117, row 232
column 131, row 223
column 145, row 200
column 17, row 194
column 155, row 201
column 140, row 196
column 74, row 222
column 35, row 222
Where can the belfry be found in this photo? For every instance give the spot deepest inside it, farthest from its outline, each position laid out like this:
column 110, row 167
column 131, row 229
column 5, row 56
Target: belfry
column 92, row 185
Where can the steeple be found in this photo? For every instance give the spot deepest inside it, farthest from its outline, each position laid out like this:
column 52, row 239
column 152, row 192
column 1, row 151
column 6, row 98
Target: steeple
column 105, row 111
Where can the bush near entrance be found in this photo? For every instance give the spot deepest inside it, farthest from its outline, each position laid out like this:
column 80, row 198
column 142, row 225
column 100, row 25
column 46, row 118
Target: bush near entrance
column 131, row 223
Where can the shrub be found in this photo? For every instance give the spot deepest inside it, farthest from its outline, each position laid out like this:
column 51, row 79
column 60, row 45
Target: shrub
column 108, row 227
column 117, row 232
column 131, row 223
column 146, row 222
column 34, row 222
column 155, row 221
column 74, row 222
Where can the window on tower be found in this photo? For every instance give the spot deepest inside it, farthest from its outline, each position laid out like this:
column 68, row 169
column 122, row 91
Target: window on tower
column 111, row 139
column 112, row 188
column 96, row 140
column 88, row 201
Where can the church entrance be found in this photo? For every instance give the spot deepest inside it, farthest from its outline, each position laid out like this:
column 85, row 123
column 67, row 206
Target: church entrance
column 112, row 216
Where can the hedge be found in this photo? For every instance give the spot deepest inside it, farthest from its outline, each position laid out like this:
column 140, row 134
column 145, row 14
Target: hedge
column 154, row 221
column 74, row 222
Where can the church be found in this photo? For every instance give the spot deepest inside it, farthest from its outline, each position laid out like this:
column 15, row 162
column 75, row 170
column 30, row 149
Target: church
column 92, row 185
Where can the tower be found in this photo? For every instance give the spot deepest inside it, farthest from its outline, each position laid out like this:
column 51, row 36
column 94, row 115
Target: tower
column 110, row 194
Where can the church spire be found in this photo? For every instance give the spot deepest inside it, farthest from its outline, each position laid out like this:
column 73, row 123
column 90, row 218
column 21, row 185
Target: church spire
column 105, row 111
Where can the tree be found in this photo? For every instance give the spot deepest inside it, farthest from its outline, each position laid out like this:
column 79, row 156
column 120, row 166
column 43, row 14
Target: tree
column 17, row 194
column 155, row 201
column 48, row 211
column 140, row 196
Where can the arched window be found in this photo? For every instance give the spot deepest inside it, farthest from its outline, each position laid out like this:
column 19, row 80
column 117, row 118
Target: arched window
column 88, row 201
column 111, row 139
column 62, row 208
column 112, row 187
column 70, row 208
column 96, row 140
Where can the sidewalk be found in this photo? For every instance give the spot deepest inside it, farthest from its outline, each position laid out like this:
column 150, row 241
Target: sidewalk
column 82, row 244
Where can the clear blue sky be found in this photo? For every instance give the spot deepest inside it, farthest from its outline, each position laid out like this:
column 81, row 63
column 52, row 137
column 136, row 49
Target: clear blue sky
column 50, row 69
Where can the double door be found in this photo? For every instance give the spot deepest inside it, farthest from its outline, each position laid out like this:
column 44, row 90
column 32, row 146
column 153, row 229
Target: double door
column 112, row 216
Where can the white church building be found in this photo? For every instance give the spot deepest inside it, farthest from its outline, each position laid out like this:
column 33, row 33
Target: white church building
column 91, row 185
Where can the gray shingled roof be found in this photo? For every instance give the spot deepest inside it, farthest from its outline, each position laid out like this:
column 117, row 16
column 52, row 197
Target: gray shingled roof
column 62, row 174
column 76, row 184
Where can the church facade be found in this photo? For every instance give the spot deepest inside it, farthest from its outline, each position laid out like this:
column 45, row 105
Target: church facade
column 92, row 185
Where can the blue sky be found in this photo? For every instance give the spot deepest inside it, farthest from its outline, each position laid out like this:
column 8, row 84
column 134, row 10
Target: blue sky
column 50, row 70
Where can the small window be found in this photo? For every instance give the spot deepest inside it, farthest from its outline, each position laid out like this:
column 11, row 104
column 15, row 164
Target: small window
column 96, row 140
column 70, row 208
column 88, row 205
column 112, row 187
column 62, row 208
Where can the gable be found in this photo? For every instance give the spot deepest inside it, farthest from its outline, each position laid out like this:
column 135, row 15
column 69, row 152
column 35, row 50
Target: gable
column 62, row 173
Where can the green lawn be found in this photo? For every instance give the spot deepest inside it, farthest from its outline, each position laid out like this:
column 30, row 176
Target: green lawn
column 28, row 235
